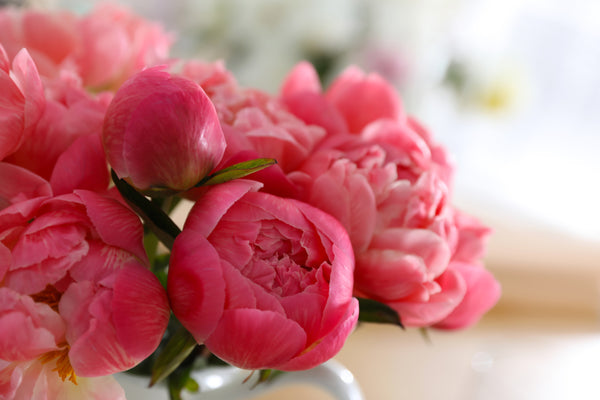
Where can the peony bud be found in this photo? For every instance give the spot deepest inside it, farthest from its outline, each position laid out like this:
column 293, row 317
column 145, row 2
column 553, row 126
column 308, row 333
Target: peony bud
column 162, row 131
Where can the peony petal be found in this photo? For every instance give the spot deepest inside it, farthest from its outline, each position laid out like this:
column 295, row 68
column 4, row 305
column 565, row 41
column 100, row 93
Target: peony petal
column 431, row 248
column 327, row 346
column 195, row 285
column 256, row 339
column 208, row 209
column 363, row 99
column 95, row 348
column 18, row 184
column 140, row 310
column 483, row 292
column 27, row 329
column 302, row 78
column 438, row 306
column 389, row 274
column 81, row 166
column 116, row 224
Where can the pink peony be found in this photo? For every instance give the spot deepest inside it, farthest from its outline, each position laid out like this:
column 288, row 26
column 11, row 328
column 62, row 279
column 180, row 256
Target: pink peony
column 264, row 282
column 256, row 125
column 70, row 113
column 76, row 265
column 162, row 131
column 37, row 380
column 104, row 48
column 388, row 183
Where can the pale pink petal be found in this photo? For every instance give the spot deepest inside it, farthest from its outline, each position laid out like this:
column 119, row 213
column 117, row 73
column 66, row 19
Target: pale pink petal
column 403, row 146
column 255, row 339
column 349, row 198
column 437, row 306
column 302, row 78
column 27, row 329
column 483, row 292
column 389, row 274
column 140, row 310
column 81, row 166
column 431, row 248
column 195, row 285
column 363, row 99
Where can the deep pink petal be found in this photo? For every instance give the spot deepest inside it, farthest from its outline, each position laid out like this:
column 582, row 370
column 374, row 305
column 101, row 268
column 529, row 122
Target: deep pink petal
column 255, row 339
column 140, row 310
column 18, row 184
column 116, row 224
column 209, row 209
column 162, row 130
column 195, row 285
column 81, row 166
column 95, row 348
column 327, row 346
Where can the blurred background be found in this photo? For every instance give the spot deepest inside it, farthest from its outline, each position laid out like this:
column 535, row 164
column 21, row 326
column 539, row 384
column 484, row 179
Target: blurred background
column 512, row 89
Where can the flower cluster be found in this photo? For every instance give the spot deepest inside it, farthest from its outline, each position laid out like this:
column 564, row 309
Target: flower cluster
column 268, row 270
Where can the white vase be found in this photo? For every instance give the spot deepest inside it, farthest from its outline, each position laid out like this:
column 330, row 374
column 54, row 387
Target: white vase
column 227, row 383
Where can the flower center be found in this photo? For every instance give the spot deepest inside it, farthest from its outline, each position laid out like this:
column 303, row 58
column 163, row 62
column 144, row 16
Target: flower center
column 63, row 364
column 50, row 295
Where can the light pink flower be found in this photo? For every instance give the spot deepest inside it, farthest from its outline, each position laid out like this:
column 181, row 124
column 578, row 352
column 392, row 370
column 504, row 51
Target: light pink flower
column 80, row 255
column 104, row 47
column 22, row 101
column 380, row 173
column 264, row 282
column 37, row 380
column 162, row 130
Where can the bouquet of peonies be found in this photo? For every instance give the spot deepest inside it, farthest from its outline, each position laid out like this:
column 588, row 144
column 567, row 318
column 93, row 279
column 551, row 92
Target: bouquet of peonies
column 312, row 209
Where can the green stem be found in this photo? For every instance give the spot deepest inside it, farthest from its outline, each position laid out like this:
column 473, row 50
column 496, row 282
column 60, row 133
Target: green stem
column 153, row 216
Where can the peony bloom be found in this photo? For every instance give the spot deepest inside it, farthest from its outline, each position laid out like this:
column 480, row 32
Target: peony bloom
column 76, row 287
column 162, row 131
column 69, row 114
column 104, row 48
column 264, row 282
column 383, row 177
column 256, row 125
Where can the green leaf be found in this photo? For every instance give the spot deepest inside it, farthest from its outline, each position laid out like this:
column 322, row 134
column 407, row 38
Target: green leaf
column 425, row 335
column 266, row 375
column 237, row 171
column 153, row 216
column 375, row 311
column 179, row 346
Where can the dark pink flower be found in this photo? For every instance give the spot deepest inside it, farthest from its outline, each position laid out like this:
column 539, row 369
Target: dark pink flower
column 162, row 130
column 264, row 282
